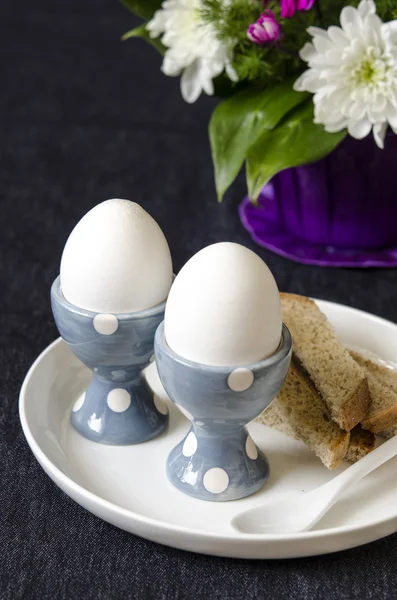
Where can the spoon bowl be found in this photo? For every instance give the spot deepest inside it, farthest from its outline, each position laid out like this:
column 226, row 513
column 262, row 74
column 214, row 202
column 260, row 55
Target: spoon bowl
column 300, row 512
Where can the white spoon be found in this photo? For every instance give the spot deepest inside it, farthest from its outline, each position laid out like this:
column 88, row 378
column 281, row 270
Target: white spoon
column 301, row 512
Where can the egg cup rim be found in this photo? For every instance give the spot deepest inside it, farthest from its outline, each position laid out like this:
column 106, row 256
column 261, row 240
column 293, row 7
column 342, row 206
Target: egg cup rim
column 283, row 351
column 56, row 293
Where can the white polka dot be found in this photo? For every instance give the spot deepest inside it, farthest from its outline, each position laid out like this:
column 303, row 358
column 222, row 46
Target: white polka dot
column 79, row 403
column 95, row 423
column 185, row 412
column 240, row 380
column 216, row 480
column 160, row 405
column 190, row 445
column 251, row 449
column 105, row 324
column 118, row 400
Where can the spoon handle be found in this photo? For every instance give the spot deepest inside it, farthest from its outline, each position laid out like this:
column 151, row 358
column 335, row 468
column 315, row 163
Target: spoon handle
column 364, row 466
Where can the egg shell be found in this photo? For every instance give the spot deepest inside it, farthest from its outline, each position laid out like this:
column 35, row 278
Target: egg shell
column 224, row 308
column 116, row 260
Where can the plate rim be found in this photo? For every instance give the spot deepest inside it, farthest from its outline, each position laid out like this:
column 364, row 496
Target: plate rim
column 66, row 483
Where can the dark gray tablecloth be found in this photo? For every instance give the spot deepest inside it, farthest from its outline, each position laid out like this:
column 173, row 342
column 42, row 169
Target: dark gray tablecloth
column 85, row 117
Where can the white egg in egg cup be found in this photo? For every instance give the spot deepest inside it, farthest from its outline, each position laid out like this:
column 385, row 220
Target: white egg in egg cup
column 118, row 407
column 218, row 460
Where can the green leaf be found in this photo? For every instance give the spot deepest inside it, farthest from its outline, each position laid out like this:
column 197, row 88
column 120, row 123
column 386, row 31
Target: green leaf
column 296, row 141
column 238, row 122
column 142, row 8
column 142, row 32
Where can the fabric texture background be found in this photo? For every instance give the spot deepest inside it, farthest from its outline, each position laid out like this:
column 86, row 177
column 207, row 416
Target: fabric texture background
column 85, row 117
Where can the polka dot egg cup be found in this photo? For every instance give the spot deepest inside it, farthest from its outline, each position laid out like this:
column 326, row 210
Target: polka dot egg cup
column 218, row 460
column 118, row 407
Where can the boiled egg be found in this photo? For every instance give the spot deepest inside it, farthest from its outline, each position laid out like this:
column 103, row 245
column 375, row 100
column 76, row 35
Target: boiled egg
column 224, row 308
column 116, row 260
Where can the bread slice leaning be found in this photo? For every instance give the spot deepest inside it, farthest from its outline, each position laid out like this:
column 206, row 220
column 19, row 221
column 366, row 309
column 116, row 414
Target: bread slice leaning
column 382, row 383
column 299, row 412
column 340, row 381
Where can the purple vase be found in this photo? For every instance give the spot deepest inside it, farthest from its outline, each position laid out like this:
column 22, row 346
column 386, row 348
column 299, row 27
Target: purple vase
column 340, row 211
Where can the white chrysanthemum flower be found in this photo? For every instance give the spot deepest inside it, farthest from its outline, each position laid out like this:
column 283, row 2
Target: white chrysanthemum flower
column 353, row 73
column 193, row 48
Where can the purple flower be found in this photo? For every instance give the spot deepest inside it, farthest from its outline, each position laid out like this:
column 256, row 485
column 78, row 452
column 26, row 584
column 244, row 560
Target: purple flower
column 288, row 7
column 266, row 29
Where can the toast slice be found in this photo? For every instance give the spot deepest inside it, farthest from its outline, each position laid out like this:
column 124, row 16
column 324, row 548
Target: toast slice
column 299, row 412
column 382, row 383
column 389, row 433
column 362, row 442
column 340, row 381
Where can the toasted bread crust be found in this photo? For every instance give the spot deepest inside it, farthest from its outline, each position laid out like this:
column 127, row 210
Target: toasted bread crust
column 382, row 420
column 382, row 383
column 338, row 452
column 356, row 408
column 297, row 297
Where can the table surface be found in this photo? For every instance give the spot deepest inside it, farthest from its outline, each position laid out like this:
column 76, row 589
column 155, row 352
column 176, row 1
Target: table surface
column 85, row 117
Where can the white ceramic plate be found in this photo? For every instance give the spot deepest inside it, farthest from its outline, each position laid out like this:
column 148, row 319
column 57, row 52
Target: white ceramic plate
column 127, row 486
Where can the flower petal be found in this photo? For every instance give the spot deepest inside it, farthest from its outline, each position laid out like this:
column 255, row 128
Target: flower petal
column 359, row 129
column 191, row 83
column 309, row 81
column 287, row 8
column 231, row 72
column 169, row 66
column 314, row 31
column 391, row 114
column 304, row 4
column 337, row 126
column 308, row 52
column 379, row 131
column 347, row 16
column 357, row 111
column 389, row 33
column 337, row 35
column 299, row 85
column 366, row 7
column 208, row 86
column 157, row 24
column 350, row 21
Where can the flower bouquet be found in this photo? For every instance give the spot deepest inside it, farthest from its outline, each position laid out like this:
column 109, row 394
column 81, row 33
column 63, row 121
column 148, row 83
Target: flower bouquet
column 302, row 83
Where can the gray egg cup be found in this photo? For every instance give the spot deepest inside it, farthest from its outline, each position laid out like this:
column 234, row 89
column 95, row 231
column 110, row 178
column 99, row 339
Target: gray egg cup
column 218, row 460
column 118, row 406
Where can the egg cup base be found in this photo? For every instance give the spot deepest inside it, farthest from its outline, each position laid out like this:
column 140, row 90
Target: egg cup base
column 119, row 414
column 220, row 469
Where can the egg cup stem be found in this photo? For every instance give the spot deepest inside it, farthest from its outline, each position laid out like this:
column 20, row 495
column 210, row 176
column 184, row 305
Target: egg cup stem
column 118, row 413
column 217, row 464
